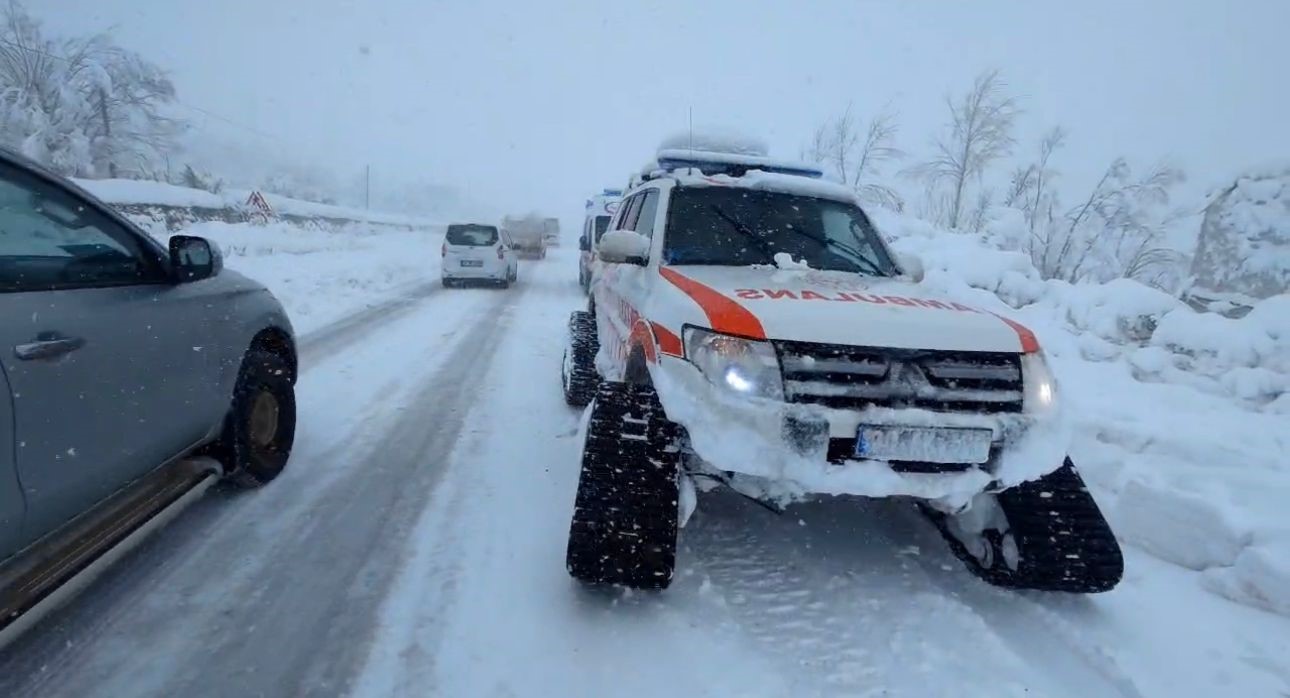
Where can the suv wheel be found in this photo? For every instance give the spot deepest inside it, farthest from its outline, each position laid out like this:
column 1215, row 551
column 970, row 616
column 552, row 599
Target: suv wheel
column 261, row 426
column 625, row 516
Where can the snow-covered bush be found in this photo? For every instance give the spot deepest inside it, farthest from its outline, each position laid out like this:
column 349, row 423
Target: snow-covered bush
column 1120, row 311
column 1249, row 356
column 1161, row 337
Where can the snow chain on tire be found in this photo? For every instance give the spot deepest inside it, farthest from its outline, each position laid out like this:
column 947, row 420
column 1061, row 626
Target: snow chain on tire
column 1064, row 541
column 580, row 377
column 624, row 525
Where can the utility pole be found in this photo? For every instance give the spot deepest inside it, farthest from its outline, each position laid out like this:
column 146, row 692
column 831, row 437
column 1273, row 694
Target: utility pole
column 367, row 188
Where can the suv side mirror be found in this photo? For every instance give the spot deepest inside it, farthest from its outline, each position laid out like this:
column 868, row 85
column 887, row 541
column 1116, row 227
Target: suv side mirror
column 912, row 266
column 194, row 258
column 623, row 247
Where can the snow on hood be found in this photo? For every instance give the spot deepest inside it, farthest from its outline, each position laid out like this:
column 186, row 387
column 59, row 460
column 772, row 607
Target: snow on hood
column 843, row 308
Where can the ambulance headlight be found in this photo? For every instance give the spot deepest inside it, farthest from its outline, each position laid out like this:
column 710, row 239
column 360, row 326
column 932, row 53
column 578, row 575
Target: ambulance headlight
column 1040, row 396
column 742, row 366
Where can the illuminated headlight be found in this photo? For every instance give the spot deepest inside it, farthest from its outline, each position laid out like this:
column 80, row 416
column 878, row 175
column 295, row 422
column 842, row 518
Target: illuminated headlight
column 742, row 366
column 1041, row 388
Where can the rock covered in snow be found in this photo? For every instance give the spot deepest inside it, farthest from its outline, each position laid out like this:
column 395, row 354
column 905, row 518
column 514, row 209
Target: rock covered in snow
column 1244, row 244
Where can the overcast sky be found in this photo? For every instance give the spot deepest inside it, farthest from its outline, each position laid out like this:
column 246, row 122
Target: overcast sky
column 534, row 105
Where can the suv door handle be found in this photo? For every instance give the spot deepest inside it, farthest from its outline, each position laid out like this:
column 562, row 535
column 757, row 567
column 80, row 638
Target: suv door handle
column 48, row 345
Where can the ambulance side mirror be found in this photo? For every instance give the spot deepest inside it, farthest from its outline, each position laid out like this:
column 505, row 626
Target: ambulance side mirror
column 911, row 266
column 623, row 247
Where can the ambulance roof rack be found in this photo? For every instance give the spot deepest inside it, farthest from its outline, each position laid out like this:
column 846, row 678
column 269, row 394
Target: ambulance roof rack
column 718, row 163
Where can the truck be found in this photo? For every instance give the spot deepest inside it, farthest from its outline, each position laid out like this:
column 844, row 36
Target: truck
column 528, row 234
column 551, row 231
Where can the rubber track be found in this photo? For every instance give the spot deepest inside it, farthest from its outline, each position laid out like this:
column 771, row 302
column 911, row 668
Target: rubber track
column 583, row 343
column 1065, row 542
column 624, row 524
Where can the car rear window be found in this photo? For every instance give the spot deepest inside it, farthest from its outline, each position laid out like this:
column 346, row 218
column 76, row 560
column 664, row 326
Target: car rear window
column 472, row 235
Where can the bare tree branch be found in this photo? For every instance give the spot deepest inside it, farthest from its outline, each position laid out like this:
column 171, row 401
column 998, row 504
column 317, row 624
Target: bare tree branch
column 979, row 132
column 857, row 160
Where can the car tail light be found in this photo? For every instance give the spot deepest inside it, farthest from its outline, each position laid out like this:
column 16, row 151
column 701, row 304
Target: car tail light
column 443, row 251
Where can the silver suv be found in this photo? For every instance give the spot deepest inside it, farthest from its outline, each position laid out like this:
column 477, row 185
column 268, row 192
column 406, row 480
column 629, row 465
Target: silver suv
column 131, row 376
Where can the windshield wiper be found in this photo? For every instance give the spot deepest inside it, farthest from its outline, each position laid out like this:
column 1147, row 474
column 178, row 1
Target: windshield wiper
column 746, row 232
column 874, row 269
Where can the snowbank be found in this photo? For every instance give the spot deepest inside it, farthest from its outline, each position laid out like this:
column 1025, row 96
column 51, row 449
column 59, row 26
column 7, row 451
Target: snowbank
column 1181, row 418
column 296, row 207
column 134, row 191
column 1259, row 577
column 131, row 192
column 324, row 275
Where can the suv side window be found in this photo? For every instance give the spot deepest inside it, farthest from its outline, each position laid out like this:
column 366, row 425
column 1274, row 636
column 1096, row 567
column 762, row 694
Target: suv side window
column 646, row 214
column 631, row 211
column 51, row 240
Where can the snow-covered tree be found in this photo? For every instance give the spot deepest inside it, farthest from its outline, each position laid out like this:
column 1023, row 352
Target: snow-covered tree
column 1117, row 231
column 979, row 132
column 1032, row 189
column 83, row 106
column 855, row 153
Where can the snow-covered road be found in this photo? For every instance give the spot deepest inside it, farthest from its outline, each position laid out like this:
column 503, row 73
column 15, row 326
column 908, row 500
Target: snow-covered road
column 415, row 547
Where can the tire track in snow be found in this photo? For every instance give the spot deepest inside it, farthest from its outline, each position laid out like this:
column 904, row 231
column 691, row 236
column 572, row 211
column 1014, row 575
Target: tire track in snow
column 336, row 335
column 324, row 609
column 1025, row 621
column 835, row 587
column 485, row 606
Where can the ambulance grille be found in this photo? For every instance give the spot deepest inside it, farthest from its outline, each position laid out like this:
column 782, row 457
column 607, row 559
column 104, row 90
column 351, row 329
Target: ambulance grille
column 854, row 378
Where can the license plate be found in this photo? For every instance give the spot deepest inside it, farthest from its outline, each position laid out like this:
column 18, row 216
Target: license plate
column 472, row 262
column 924, row 444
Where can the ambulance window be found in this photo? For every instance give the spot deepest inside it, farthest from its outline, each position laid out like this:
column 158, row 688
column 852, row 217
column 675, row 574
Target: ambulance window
column 646, row 214
column 602, row 224
column 632, row 211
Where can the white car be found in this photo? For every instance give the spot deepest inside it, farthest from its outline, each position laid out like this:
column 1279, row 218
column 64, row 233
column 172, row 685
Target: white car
column 749, row 328
column 478, row 252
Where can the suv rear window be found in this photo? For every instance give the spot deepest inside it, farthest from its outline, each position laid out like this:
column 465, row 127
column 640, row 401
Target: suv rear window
column 472, row 235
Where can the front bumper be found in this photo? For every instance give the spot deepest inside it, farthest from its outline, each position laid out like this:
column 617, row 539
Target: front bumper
column 798, row 449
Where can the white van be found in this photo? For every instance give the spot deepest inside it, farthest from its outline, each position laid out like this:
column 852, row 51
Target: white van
column 478, row 252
